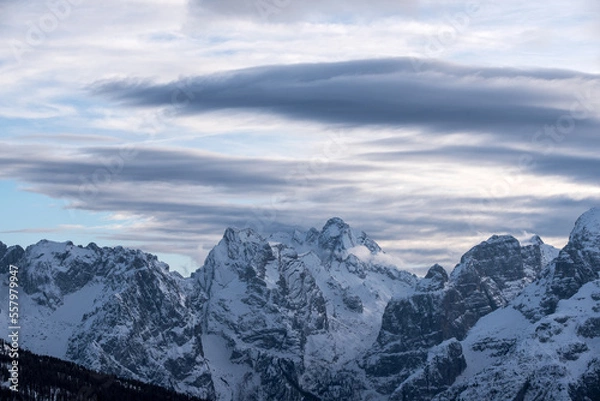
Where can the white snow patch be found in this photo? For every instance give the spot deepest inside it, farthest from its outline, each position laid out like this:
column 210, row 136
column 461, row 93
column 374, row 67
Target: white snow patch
column 226, row 375
column 506, row 324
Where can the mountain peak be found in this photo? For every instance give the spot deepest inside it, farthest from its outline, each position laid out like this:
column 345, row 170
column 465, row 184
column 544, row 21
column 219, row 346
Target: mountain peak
column 9, row 255
column 591, row 217
column 587, row 228
column 437, row 270
column 434, row 280
column 534, row 240
column 335, row 227
column 335, row 221
column 234, row 235
column 337, row 237
column 93, row 247
column 498, row 239
column 496, row 244
column 578, row 262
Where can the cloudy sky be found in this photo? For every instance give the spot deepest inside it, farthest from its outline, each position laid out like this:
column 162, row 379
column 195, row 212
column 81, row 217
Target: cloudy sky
column 430, row 125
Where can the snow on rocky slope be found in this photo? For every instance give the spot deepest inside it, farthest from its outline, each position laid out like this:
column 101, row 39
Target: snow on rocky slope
column 293, row 313
column 263, row 318
column 320, row 315
column 444, row 308
column 110, row 309
column 545, row 344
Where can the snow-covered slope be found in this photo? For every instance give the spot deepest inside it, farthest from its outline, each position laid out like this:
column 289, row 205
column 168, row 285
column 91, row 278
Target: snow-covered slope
column 446, row 307
column 110, row 309
column 291, row 314
column 321, row 315
column 515, row 359
column 545, row 344
column 270, row 318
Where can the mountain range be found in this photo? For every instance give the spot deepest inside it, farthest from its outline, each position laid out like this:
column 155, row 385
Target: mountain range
column 322, row 315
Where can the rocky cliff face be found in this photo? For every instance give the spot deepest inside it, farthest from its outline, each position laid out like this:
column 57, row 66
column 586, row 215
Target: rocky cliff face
column 544, row 344
column 282, row 311
column 442, row 308
column 9, row 256
column 320, row 315
column 445, row 362
column 578, row 263
column 114, row 310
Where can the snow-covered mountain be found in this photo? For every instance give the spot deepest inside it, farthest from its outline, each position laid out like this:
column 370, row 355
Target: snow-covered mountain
column 546, row 343
column 292, row 314
column 322, row 315
column 113, row 310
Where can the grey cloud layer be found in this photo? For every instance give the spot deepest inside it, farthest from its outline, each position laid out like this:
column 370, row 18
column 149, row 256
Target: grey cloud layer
column 287, row 10
column 173, row 166
column 402, row 92
column 145, row 180
column 576, row 168
column 143, row 187
column 190, row 193
column 535, row 113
